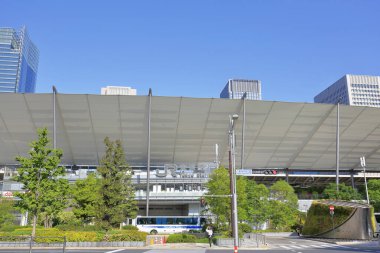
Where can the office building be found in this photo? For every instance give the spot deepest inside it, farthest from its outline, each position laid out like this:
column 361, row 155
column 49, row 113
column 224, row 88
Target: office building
column 235, row 89
column 18, row 61
column 118, row 90
column 359, row 90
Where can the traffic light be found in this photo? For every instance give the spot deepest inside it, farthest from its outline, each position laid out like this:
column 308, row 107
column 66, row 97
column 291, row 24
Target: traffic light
column 270, row 172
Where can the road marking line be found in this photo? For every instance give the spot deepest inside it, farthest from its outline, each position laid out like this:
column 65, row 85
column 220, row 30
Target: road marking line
column 285, row 247
column 114, row 251
column 296, row 247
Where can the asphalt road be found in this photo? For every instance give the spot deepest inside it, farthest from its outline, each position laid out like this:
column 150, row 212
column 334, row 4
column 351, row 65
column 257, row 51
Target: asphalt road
column 275, row 245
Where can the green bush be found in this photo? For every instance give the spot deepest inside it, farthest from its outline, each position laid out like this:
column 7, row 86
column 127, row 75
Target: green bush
column 126, row 235
column 8, row 228
column 202, row 240
column 71, row 227
column 177, row 238
column 55, row 235
column 244, row 228
column 73, row 236
column 129, row 227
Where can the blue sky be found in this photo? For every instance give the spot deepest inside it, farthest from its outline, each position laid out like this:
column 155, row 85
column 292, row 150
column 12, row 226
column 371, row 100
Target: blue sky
column 191, row 48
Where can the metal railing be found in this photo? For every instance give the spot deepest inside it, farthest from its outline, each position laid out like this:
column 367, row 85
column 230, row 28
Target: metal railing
column 30, row 242
column 249, row 240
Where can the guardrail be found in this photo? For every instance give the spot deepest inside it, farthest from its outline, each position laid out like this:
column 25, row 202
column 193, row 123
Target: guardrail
column 249, row 240
column 30, row 241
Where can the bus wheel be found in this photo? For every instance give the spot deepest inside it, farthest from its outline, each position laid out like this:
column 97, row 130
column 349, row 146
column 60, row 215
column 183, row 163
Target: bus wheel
column 153, row 232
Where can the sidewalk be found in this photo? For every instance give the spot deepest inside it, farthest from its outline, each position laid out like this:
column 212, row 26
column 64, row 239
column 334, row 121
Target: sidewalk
column 372, row 245
column 195, row 246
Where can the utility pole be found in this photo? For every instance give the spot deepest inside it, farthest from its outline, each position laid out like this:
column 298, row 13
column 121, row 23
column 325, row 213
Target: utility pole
column 232, row 167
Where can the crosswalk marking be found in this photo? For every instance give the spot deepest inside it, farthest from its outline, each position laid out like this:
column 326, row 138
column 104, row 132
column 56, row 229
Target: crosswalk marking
column 176, row 251
column 309, row 246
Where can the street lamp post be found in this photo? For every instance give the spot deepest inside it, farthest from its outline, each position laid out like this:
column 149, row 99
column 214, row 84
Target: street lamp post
column 337, row 147
column 232, row 168
column 54, row 118
column 362, row 163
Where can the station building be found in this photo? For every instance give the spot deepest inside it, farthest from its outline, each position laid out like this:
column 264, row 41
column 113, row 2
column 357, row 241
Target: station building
column 179, row 141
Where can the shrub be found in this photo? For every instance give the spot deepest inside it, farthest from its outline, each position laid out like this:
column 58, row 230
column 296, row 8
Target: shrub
column 245, row 228
column 130, row 227
column 55, row 235
column 177, row 238
column 8, row 227
column 71, row 227
column 126, row 235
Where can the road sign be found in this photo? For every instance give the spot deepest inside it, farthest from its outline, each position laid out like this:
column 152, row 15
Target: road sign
column 331, row 208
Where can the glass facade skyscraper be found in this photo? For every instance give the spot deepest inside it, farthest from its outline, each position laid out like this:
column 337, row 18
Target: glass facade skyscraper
column 235, row 89
column 18, row 61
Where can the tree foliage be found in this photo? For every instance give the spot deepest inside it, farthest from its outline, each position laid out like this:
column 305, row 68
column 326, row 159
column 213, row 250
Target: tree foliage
column 257, row 203
column 283, row 205
column 374, row 193
column 6, row 211
column 219, row 185
column 345, row 192
column 116, row 201
column 86, row 195
column 44, row 189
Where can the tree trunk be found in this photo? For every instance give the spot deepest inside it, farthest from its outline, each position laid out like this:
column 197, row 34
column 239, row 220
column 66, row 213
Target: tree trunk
column 34, row 225
column 46, row 221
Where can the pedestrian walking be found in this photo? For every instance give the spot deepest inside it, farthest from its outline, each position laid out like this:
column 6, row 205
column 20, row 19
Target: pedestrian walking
column 209, row 234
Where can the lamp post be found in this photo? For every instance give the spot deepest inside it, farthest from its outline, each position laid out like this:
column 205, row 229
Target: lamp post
column 337, row 147
column 231, row 134
column 362, row 163
column 54, row 118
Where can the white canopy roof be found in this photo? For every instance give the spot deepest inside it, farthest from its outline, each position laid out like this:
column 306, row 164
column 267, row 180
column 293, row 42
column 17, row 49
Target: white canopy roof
column 185, row 130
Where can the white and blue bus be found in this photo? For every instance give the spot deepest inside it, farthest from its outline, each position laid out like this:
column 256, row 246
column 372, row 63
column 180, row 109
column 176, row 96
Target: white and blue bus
column 169, row 224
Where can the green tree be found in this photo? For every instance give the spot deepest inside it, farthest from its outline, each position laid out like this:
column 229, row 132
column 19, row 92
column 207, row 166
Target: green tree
column 374, row 193
column 116, row 191
column 219, row 185
column 43, row 185
column 283, row 205
column 86, row 195
column 345, row 192
column 6, row 211
column 241, row 191
column 257, row 203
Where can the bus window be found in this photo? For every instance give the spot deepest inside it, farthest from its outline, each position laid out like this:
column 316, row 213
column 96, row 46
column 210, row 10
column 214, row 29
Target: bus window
column 151, row 221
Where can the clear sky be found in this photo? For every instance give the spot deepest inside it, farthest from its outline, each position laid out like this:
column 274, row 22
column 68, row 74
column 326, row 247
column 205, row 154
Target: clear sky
column 191, row 48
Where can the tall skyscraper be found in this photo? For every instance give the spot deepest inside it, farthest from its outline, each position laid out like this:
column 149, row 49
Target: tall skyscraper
column 235, row 89
column 118, row 90
column 359, row 90
column 18, row 61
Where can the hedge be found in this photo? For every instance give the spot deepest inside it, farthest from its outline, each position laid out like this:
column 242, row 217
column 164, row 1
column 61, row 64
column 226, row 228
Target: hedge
column 175, row 238
column 55, row 235
column 319, row 219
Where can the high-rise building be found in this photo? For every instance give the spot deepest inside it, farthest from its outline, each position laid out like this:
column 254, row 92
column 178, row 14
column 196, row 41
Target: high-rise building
column 235, row 89
column 18, row 61
column 359, row 90
column 118, row 90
